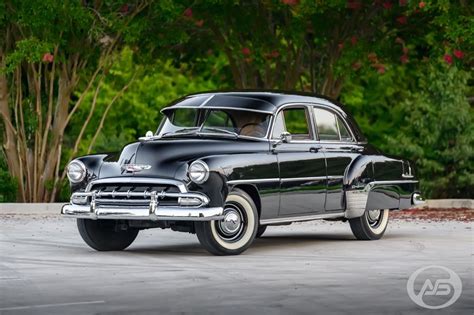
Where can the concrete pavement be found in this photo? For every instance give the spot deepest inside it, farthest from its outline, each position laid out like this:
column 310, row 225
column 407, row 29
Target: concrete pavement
column 313, row 267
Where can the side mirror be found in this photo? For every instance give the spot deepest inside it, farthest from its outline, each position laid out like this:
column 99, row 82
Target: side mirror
column 285, row 137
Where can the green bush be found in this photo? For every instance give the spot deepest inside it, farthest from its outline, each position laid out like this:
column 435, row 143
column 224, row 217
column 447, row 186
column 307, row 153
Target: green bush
column 8, row 185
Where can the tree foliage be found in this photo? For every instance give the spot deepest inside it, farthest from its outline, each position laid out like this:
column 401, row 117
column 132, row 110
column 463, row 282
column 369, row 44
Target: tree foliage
column 84, row 76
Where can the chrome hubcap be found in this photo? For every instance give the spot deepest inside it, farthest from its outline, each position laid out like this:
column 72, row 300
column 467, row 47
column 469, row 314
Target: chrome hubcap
column 231, row 222
column 231, row 227
column 373, row 215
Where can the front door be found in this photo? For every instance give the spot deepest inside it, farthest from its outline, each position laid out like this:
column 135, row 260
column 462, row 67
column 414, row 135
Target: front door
column 301, row 162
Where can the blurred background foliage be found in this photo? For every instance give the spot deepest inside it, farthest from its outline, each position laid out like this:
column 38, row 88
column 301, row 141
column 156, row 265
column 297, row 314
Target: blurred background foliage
column 402, row 68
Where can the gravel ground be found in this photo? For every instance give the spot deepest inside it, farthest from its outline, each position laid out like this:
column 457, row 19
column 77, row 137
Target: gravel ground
column 312, row 267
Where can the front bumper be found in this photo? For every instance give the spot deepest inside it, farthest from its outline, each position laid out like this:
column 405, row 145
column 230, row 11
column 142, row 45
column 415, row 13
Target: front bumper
column 136, row 211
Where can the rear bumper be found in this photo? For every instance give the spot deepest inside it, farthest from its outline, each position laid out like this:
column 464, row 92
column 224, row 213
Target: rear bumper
column 417, row 200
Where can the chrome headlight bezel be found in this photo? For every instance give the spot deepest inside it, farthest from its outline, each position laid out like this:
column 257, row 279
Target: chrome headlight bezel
column 198, row 172
column 78, row 167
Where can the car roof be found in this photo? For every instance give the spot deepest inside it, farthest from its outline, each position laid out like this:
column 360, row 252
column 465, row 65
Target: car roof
column 264, row 101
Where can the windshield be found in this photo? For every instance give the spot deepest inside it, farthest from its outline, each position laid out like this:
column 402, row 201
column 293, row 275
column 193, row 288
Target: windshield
column 182, row 121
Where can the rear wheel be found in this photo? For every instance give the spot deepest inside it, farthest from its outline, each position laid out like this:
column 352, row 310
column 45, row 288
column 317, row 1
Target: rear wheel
column 236, row 231
column 370, row 226
column 105, row 235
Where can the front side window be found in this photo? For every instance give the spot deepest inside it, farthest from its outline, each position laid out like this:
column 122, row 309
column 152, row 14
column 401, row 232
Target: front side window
column 294, row 121
column 330, row 127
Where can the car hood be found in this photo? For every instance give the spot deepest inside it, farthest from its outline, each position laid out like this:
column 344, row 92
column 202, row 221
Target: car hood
column 168, row 158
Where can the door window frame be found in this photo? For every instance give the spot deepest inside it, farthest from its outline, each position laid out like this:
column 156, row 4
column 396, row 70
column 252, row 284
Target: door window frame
column 309, row 119
column 313, row 126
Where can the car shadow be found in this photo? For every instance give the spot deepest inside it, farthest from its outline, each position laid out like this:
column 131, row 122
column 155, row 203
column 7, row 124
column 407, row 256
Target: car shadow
column 263, row 244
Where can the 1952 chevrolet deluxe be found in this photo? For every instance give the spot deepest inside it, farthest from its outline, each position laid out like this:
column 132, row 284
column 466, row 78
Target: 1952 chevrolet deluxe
column 225, row 165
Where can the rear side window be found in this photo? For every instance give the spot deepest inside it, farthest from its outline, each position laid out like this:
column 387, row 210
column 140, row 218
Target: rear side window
column 345, row 135
column 330, row 126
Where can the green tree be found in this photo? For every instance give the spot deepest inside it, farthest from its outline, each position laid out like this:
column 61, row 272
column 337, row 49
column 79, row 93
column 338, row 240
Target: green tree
column 51, row 54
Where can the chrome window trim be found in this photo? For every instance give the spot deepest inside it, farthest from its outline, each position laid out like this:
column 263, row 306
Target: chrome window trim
column 216, row 107
column 331, row 110
column 200, row 107
column 310, row 125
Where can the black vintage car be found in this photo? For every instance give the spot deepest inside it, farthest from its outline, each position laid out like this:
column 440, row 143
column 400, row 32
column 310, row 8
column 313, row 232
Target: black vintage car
column 225, row 165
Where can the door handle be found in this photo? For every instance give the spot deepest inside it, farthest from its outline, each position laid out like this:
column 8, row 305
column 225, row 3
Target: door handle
column 315, row 149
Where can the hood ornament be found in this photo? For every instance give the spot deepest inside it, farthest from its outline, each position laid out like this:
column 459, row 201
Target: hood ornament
column 135, row 168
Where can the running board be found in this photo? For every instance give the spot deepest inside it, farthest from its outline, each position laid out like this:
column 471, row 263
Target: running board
column 302, row 218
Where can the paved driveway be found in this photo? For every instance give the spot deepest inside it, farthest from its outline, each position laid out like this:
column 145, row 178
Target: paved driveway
column 313, row 267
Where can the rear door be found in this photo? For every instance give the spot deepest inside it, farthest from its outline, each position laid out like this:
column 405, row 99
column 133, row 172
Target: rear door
column 302, row 164
column 340, row 150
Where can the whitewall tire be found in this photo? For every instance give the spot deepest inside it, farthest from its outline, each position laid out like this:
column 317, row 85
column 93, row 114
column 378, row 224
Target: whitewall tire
column 236, row 231
column 370, row 226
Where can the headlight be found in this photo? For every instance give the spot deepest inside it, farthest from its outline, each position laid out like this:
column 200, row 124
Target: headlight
column 76, row 171
column 198, row 172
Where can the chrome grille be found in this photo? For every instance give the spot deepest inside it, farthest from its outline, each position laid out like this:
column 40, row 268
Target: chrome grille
column 137, row 195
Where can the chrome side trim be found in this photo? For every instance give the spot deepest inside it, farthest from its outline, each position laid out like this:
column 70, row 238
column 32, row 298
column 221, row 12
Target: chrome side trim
column 356, row 199
column 252, row 181
column 335, row 177
column 137, row 180
column 302, row 218
column 356, row 202
column 294, row 179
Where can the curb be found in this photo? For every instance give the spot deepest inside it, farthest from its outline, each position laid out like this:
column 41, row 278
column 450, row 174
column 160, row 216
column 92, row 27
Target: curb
column 30, row 208
column 55, row 208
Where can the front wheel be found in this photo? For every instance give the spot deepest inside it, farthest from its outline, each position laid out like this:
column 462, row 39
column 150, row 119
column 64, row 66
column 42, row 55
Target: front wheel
column 236, row 231
column 370, row 226
column 105, row 235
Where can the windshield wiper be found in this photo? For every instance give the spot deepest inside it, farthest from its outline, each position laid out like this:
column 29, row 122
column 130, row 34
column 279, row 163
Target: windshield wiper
column 181, row 132
column 222, row 130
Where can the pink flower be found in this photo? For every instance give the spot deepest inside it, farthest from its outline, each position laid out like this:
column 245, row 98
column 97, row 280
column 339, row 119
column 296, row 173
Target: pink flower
column 188, row 13
column 372, row 57
column 275, row 53
column 356, row 65
column 199, row 23
column 448, row 59
column 353, row 4
column 290, row 2
column 387, row 5
column 246, row 51
column 405, row 50
column 48, row 58
column 404, row 58
column 354, row 40
column 458, row 54
column 402, row 3
column 399, row 40
column 124, row 8
column 402, row 19
column 422, row 4
column 381, row 69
